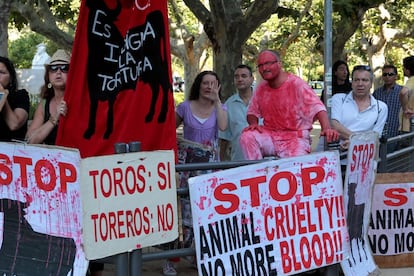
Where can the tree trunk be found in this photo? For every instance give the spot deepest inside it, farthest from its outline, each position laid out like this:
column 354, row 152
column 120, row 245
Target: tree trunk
column 228, row 27
column 224, row 65
column 4, row 26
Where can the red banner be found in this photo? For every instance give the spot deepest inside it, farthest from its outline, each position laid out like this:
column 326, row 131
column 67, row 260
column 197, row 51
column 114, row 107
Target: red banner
column 119, row 83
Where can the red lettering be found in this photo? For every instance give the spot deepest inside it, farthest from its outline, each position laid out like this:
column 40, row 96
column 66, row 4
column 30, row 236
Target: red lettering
column 6, row 175
column 328, row 247
column 253, row 184
column 353, row 163
column 285, row 254
column 138, row 218
column 318, row 174
column 121, row 223
column 316, row 242
column 23, row 163
column 289, row 261
column 371, row 151
column 44, row 172
column 130, row 189
column 118, row 180
column 67, row 174
column 164, row 174
column 270, row 235
column 45, row 175
column 297, row 265
column 279, row 221
column 94, row 218
column 318, row 203
column 274, row 185
column 232, row 199
column 396, row 197
column 106, row 174
column 311, row 225
column 102, row 220
column 141, row 177
column 361, row 156
column 301, row 217
column 129, row 223
column 112, row 225
column 146, row 215
column 305, row 251
column 94, row 174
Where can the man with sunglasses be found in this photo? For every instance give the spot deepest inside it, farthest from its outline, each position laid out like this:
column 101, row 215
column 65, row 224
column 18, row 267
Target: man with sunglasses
column 389, row 93
column 288, row 107
column 358, row 110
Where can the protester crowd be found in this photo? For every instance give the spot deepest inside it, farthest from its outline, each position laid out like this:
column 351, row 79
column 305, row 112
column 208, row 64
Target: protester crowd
column 274, row 118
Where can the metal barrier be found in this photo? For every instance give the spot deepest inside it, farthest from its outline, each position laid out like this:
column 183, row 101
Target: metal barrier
column 401, row 160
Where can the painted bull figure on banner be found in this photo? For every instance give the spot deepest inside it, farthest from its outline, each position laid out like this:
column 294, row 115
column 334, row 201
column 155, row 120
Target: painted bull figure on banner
column 114, row 67
column 355, row 222
column 26, row 252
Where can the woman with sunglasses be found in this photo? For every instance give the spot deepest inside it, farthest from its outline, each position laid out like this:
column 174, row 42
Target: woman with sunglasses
column 14, row 104
column 43, row 128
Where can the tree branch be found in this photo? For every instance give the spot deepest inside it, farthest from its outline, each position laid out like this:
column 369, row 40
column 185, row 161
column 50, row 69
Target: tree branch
column 42, row 21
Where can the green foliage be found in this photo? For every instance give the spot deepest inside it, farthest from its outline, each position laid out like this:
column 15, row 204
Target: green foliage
column 303, row 56
column 65, row 12
column 178, row 97
column 34, row 101
column 22, row 50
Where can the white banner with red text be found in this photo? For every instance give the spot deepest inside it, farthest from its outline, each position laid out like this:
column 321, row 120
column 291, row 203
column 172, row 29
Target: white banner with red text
column 129, row 202
column 277, row 217
column 40, row 211
column 359, row 181
column 390, row 232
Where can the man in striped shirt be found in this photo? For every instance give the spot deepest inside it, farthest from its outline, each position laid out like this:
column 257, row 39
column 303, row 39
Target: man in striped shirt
column 389, row 93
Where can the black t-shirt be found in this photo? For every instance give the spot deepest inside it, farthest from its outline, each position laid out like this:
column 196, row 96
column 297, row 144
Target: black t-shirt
column 338, row 88
column 16, row 99
column 341, row 88
column 51, row 138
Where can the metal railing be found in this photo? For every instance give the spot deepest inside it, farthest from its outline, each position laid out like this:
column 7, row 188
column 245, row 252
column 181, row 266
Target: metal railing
column 400, row 160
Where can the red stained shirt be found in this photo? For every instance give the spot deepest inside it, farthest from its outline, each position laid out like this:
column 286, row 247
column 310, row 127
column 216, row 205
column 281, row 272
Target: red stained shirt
column 288, row 108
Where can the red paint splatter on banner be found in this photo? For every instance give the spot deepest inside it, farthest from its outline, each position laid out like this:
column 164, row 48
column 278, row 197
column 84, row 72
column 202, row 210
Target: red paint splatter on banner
column 214, row 182
column 201, row 203
column 322, row 162
column 297, row 199
column 331, row 173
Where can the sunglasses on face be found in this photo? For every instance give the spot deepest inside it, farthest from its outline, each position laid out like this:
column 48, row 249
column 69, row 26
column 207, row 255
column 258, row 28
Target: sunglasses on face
column 63, row 67
column 388, row 74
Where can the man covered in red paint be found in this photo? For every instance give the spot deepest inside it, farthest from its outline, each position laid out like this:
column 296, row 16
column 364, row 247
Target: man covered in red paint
column 288, row 107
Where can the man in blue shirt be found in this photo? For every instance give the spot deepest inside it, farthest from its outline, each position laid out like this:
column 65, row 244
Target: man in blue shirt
column 236, row 113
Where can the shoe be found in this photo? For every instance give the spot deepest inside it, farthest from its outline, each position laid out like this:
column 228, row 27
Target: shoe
column 168, row 269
